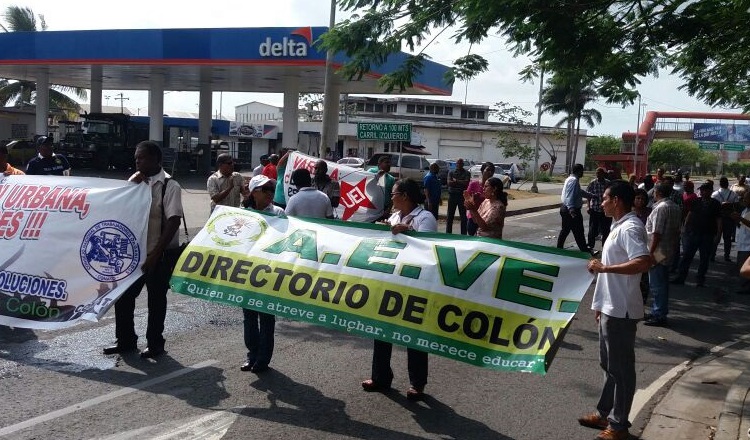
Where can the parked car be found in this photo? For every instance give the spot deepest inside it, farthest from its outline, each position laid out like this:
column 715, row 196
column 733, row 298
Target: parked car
column 20, row 151
column 414, row 166
column 512, row 170
column 444, row 168
column 476, row 174
column 354, row 162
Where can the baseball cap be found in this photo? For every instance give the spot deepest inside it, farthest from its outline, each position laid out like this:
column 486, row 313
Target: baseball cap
column 260, row 181
column 43, row 140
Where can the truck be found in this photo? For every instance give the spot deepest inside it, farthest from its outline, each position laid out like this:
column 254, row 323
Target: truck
column 101, row 141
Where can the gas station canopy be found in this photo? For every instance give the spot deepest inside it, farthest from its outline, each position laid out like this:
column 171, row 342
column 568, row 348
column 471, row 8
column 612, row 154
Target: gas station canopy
column 231, row 60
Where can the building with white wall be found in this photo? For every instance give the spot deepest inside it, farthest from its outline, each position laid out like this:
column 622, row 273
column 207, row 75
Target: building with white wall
column 447, row 130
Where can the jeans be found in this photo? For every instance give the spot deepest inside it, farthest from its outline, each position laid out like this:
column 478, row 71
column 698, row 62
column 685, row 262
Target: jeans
column 703, row 243
column 617, row 359
column 259, row 328
column 157, row 284
column 456, row 200
column 572, row 224
column 658, row 281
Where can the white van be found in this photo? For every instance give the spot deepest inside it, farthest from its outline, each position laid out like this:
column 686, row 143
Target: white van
column 413, row 166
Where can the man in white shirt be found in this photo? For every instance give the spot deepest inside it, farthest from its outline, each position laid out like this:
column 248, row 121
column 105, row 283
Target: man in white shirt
column 263, row 162
column 618, row 305
column 728, row 200
column 308, row 202
column 743, row 240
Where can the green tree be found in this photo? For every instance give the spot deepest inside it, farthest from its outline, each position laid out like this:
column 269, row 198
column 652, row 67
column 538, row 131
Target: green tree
column 20, row 19
column 508, row 141
column 570, row 95
column 601, row 145
column 613, row 43
column 674, row 153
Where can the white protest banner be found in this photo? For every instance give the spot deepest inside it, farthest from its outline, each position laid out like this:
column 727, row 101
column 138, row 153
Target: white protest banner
column 70, row 247
column 362, row 199
column 491, row 303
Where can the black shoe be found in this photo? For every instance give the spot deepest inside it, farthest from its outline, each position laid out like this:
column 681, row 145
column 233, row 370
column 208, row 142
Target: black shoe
column 371, row 386
column 259, row 368
column 677, row 280
column 743, row 292
column 594, row 252
column 700, row 284
column 727, row 259
column 116, row 349
column 656, row 322
column 151, row 353
column 247, row 366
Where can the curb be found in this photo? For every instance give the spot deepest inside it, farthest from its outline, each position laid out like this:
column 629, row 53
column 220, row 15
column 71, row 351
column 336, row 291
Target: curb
column 731, row 416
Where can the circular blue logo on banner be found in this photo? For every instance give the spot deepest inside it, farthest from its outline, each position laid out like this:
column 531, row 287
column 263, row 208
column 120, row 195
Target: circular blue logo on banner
column 109, row 251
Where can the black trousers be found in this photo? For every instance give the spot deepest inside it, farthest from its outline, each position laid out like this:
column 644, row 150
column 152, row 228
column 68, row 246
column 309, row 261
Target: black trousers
column 572, row 224
column 259, row 337
column 381, row 365
column 456, row 200
column 598, row 224
column 157, row 285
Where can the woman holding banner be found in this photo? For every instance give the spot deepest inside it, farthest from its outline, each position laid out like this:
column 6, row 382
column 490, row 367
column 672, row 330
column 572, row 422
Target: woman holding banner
column 406, row 197
column 259, row 326
column 490, row 214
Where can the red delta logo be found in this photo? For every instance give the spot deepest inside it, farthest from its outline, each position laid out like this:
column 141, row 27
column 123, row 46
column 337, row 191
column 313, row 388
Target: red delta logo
column 287, row 47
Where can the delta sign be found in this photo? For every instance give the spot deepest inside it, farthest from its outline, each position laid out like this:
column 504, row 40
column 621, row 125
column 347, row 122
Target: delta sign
column 295, row 45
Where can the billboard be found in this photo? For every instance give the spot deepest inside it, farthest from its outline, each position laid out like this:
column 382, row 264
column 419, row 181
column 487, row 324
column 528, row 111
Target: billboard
column 721, row 132
column 264, row 131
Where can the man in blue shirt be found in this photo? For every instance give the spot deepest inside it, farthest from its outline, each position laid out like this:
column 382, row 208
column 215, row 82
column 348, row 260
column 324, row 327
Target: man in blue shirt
column 432, row 189
column 570, row 210
column 47, row 162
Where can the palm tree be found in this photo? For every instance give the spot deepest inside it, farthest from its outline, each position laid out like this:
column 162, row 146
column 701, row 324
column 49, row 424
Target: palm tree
column 20, row 19
column 569, row 94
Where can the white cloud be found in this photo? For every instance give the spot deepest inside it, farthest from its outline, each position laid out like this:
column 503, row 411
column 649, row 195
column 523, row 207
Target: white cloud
column 500, row 83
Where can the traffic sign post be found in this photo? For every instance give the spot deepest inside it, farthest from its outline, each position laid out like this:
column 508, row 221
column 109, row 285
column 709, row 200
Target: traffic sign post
column 734, row 147
column 708, row 146
column 383, row 131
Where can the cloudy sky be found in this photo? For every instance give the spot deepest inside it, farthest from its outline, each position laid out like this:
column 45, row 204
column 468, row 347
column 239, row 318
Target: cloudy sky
column 500, row 83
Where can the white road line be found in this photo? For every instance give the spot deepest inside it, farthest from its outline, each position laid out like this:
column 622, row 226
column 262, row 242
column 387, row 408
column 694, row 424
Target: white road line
column 529, row 215
column 104, row 398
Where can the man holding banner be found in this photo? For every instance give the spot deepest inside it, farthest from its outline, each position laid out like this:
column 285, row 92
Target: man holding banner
column 618, row 307
column 163, row 225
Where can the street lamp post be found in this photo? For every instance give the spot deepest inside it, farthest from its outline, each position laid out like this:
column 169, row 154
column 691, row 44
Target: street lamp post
column 637, row 133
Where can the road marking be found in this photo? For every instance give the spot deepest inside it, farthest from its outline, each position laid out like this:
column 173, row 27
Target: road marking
column 529, row 215
column 104, row 398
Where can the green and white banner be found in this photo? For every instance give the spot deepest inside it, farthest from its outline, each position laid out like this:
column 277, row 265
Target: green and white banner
column 491, row 303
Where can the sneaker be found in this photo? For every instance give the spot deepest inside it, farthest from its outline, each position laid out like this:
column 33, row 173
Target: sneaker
column 611, row 434
column 593, row 420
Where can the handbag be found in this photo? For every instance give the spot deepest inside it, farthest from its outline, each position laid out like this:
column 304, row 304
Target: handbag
column 172, row 255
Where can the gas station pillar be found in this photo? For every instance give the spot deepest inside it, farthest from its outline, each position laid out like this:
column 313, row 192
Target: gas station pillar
column 290, row 114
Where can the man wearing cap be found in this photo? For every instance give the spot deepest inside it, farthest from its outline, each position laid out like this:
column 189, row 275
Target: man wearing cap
column 259, row 169
column 702, row 226
column 225, row 186
column 259, row 326
column 47, row 162
column 5, row 167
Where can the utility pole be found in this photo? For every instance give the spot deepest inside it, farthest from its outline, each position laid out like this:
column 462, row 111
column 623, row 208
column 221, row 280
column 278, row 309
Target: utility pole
column 534, row 188
column 330, row 125
column 122, row 99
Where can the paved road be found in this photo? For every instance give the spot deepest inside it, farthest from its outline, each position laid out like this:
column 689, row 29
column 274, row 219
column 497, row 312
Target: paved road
column 57, row 385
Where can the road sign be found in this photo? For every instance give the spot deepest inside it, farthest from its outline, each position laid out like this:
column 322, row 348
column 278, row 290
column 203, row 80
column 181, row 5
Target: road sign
column 383, row 131
column 708, row 146
column 734, row 147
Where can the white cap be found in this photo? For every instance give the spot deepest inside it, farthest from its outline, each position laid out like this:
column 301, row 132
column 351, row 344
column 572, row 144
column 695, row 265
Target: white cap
column 260, row 180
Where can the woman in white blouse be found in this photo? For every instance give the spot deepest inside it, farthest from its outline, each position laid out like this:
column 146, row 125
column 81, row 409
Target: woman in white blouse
column 409, row 216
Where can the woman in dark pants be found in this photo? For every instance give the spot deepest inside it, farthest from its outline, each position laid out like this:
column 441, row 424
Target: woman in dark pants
column 409, row 216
